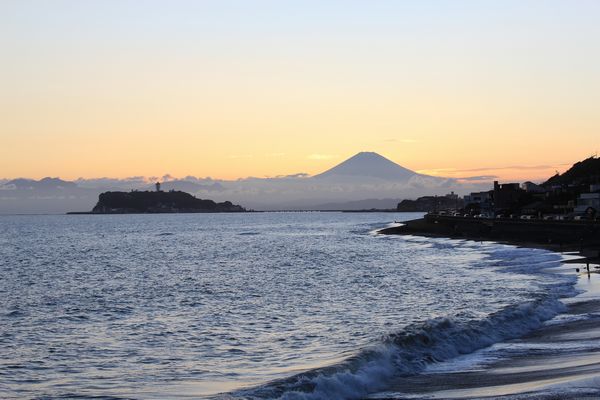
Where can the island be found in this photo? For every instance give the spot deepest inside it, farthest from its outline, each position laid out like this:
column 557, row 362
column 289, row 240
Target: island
column 153, row 202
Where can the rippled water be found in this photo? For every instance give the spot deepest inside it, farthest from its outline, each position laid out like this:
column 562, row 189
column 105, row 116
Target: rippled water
column 252, row 305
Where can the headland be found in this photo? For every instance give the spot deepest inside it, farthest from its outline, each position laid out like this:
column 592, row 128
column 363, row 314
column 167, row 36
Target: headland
column 154, row 202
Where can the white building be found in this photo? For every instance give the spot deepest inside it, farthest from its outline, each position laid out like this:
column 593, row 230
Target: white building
column 586, row 201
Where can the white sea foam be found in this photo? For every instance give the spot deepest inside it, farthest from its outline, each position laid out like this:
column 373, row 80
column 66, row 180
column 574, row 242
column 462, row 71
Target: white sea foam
column 429, row 344
column 410, row 351
column 567, row 318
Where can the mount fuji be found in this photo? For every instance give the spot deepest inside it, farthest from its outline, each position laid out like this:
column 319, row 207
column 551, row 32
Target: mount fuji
column 365, row 180
column 368, row 165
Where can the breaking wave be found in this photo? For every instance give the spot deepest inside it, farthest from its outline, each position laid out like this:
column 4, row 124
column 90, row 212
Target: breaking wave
column 419, row 345
column 408, row 352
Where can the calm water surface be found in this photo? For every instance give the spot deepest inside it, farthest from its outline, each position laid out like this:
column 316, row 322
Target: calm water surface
column 249, row 305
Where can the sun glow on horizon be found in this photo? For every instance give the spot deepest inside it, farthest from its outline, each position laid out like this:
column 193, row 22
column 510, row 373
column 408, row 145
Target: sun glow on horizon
column 457, row 89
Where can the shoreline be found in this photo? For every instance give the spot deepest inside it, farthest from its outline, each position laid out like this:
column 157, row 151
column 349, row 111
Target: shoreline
column 559, row 360
column 545, row 236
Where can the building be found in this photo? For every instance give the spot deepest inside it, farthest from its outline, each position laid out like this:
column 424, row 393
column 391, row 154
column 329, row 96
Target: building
column 507, row 195
column 449, row 202
column 531, row 187
column 478, row 198
column 479, row 202
column 452, row 196
column 588, row 203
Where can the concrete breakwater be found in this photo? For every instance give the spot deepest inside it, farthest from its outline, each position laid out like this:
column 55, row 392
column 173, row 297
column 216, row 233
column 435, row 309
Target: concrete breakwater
column 581, row 236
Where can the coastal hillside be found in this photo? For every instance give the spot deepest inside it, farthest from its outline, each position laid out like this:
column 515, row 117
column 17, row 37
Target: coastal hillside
column 584, row 172
column 158, row 202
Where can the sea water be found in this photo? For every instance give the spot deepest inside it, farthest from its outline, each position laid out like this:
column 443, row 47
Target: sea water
column 254, row 305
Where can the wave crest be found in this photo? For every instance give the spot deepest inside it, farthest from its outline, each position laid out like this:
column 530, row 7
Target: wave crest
column 408, row 352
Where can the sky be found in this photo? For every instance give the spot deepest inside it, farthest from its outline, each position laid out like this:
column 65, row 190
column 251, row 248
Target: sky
column 231, row 89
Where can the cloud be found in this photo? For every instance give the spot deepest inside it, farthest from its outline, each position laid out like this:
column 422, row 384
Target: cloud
column 282, row 192
column 134, row 182
column 322, row 156
column 436, row 171
column 525, row 167
column 198, row 179
column 294, row 176
column 454, row 171
column 478, row 178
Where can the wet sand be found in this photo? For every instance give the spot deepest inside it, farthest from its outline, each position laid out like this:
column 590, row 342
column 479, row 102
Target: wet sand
column 561, row 360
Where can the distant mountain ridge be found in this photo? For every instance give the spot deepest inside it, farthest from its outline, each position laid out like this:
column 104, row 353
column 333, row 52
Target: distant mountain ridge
column 370, row 165
column 365, row 180
column 44, row 183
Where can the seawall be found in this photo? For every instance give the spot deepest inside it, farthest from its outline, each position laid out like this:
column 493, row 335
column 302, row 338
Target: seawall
column 583, row 236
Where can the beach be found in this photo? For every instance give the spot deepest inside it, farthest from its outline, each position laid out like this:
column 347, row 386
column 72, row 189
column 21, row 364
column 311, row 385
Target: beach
column 560, row 360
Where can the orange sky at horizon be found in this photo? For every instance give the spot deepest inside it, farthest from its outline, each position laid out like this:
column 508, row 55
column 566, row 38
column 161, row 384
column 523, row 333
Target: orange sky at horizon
column 322, row 162
column 457, row 89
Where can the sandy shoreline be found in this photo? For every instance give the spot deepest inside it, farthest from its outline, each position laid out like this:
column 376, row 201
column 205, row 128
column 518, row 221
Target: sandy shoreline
column 560, row 360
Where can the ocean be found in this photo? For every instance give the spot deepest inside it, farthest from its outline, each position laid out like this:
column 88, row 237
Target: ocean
column 253, row 306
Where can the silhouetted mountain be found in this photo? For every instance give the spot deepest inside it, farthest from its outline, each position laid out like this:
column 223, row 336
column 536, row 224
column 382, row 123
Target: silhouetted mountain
column 48, row 195
column 42, row 184
column 581, row 173
column 371, row 165
column 158, row 202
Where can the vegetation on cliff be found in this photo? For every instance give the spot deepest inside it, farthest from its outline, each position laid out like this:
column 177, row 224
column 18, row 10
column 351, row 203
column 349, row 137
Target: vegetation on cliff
column 584, row 172
column 158, row 202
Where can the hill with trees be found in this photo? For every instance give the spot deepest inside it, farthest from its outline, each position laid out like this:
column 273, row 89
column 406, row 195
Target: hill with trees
column 584, row 172
column 158, row 202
